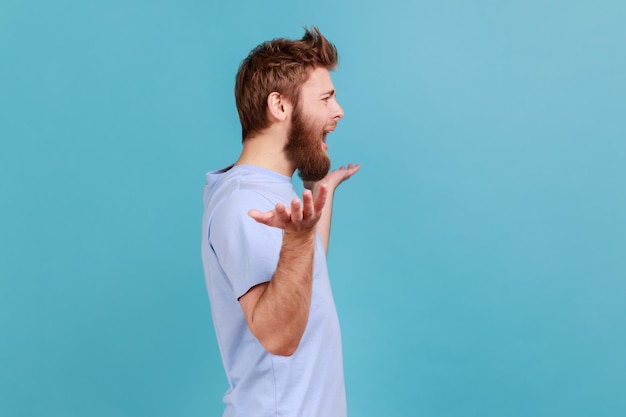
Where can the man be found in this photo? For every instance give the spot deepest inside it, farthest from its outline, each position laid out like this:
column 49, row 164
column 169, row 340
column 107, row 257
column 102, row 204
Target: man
column 264, row 250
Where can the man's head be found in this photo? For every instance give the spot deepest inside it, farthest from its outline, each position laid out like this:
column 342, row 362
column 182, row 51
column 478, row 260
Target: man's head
column 297, row 71
column 280, row 65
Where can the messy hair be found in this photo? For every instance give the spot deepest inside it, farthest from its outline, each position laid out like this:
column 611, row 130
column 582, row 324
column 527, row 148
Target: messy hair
column 282, row 66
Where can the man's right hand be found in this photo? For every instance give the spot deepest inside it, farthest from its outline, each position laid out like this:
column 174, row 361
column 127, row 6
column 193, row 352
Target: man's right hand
column 299, row 217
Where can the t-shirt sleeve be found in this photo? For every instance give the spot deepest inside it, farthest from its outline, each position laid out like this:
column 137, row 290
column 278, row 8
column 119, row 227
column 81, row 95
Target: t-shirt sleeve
column 247, row 251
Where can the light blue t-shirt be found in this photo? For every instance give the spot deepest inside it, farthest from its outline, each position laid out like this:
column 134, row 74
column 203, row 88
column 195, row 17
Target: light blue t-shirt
column 239, row 253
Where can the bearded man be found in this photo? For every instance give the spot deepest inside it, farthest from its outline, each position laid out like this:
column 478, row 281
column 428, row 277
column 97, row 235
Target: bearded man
column 264, row 250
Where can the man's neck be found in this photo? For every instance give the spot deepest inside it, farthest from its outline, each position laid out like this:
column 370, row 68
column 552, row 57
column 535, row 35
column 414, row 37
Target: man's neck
column 266, row 150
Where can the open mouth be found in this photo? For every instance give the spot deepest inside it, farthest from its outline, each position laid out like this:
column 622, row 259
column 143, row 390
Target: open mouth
column 324, row 144
column 325, row 134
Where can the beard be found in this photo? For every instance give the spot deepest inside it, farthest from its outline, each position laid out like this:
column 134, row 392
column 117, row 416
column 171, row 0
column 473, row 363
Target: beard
column 304, row 148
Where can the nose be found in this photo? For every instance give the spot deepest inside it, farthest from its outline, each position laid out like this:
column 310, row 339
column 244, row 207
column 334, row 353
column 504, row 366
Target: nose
column 338, row 112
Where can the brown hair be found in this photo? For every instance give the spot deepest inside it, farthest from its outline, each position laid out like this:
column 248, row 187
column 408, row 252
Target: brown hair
column 280, row 65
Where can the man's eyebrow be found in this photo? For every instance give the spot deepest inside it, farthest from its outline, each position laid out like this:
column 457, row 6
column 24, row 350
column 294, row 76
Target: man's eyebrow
column 328, row 93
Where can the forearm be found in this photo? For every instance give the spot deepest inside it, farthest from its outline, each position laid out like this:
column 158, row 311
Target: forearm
column 323, row 226
column 331, row 182
column 280, row 315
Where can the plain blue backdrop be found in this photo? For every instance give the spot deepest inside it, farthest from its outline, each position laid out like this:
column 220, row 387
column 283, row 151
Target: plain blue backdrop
column 477, row 260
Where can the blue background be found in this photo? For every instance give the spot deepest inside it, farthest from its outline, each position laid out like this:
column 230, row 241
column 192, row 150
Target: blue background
column 477, row 259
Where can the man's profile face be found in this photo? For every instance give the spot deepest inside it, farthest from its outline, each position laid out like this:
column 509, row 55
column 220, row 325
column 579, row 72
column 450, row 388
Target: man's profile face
column 315, row 116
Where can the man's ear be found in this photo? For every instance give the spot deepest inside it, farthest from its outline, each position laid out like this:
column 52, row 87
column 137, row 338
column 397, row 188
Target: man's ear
column 278, row 107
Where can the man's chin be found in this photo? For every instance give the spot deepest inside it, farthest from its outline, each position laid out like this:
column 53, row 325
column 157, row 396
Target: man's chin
column 314, row 175
column 311, row 178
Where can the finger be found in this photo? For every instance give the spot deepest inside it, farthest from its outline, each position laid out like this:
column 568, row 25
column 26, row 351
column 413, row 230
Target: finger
column 319, row 202
column 296, row 210
column 353, row 169
column 308, row 208
column 262, row 217
column 282, row 213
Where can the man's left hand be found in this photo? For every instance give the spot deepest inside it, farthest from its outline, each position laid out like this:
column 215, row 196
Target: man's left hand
column 333, row 178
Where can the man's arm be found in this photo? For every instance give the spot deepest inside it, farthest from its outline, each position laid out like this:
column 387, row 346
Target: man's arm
column 332, row 181
column 277, row 311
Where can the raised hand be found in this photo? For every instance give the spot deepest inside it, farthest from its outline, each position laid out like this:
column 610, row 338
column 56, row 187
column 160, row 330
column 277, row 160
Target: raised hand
column 333, row 178
column 300, row 216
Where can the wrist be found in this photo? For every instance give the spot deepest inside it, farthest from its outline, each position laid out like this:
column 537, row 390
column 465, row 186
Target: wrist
column 299, row 237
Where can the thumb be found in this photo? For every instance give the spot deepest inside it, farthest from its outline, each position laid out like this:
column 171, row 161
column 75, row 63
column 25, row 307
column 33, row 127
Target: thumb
column 261, row 217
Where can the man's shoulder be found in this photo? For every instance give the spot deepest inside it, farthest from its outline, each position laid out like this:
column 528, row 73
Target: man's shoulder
column 247, row 185
column 228, row 218
column 230, row 202
column 244, row 199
